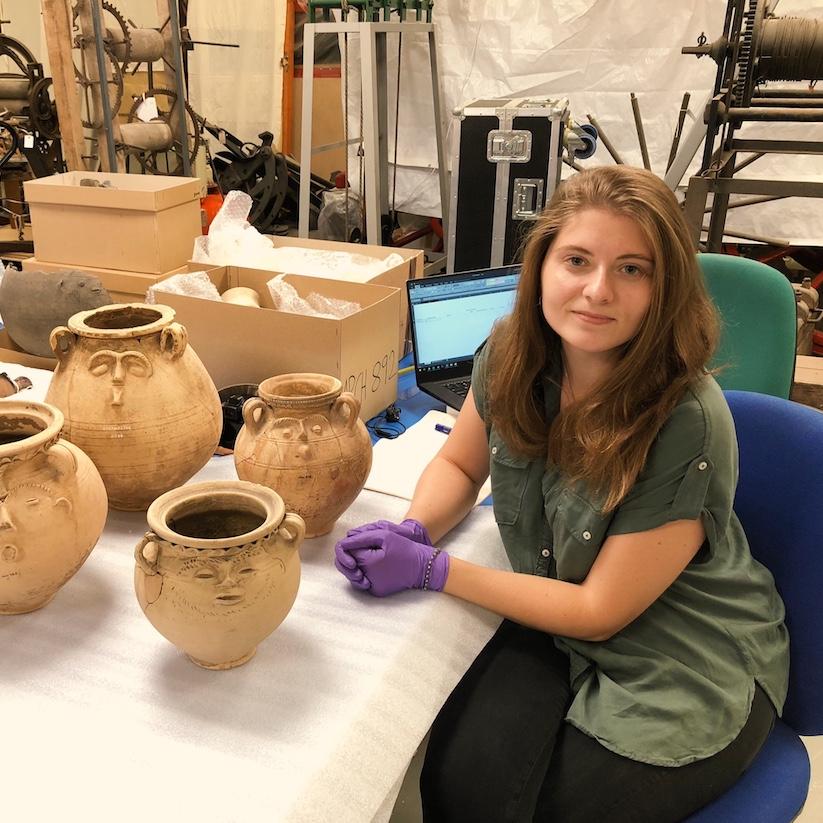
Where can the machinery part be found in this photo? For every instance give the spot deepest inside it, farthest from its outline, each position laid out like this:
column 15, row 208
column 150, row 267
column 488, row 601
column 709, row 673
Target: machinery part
column 14, row 87
column 15, row 51
column 167, row 102
column 9, row 142
column 156, row 136
column 263, row 176
column 113, row 84
column 43, row 110
column 147, row 46
column 119, row 39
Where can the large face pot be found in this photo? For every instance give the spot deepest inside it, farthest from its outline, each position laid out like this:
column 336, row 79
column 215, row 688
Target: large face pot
column 219, row 570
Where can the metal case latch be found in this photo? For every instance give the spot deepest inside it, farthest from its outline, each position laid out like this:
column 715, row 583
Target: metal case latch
column 527, row 198
column 509, row 146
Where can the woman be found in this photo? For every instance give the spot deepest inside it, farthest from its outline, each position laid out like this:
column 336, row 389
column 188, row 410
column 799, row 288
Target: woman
column 643, row 653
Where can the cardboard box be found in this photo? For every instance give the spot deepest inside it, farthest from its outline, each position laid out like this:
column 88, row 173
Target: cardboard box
column 411, row 268
column 245, row 344
column 808, row 381
column 141, row 223
column 10, row 352
column 122, row 286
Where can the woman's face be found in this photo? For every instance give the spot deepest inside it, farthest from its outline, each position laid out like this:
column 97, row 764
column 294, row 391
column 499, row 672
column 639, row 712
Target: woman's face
column 596, row 282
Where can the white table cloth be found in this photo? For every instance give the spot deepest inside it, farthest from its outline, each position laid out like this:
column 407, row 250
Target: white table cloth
column 103, row 719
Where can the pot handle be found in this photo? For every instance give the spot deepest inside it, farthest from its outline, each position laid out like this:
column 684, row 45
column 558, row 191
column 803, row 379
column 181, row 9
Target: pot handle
column 292, row 530
column 349, row 401
column 255, row 424
column 147, row 553
column 173, row 340
column 62, row 340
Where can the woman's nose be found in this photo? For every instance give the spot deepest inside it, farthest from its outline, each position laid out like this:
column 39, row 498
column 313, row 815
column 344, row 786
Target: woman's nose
column 599, row 286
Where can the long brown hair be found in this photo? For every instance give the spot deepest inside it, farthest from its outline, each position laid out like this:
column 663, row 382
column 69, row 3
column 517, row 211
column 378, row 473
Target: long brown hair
column 604, row 438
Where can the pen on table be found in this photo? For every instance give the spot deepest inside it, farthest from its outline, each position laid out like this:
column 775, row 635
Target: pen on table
column 441, row 428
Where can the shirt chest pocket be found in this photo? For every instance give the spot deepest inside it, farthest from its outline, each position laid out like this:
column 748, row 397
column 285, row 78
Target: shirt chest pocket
column 579, row 530
column 509, row 476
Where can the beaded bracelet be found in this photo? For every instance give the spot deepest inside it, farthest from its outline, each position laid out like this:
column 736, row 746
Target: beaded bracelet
column 428, row 571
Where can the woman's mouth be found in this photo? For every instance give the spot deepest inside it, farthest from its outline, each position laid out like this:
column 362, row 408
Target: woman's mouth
column 594, row 319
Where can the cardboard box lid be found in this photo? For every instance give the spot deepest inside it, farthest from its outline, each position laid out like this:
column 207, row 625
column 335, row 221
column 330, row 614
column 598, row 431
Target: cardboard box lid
column 138, row 192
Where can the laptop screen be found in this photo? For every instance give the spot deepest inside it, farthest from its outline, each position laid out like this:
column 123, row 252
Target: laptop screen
column 452, row 314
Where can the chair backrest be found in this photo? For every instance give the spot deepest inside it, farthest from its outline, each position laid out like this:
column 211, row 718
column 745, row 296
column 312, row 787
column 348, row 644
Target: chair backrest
column 758, row 324
column 778, row 502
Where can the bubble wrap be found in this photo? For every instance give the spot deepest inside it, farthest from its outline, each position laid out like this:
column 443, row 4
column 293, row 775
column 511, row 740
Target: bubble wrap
column 193, row 284
column 286, row 298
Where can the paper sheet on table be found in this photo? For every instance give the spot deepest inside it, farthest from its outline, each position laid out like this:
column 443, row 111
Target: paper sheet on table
column 397, row 464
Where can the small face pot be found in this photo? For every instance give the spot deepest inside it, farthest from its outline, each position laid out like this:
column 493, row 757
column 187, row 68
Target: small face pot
column 219, row 570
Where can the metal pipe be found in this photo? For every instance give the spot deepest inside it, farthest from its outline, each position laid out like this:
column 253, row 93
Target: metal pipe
column 772, row 241
column 807, row 92
column 747, row 162
column 788, row 102
column 102, row 70
column 684, row 108
column 182, row 131
column 785, row 115
column 750, row 201
column 605, row 140
column 641, row 135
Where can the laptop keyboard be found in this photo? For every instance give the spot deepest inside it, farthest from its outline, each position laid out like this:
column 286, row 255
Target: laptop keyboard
column 459, row 387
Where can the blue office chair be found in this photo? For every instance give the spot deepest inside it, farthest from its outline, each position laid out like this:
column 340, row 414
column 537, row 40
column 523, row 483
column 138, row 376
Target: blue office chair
column 781, row 472
column 758, row 324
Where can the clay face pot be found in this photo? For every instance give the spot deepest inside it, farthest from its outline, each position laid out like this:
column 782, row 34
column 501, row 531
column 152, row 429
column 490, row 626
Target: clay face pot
column 32, row 303
column 302, row 437
column 136, row 399
column 219, row 570
column 52, row 506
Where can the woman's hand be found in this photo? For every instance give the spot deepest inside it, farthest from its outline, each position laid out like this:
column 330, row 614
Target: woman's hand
column 413, row 529
column 384, row 562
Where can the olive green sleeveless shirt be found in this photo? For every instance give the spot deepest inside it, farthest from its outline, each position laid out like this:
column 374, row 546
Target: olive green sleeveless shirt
column 676, row 684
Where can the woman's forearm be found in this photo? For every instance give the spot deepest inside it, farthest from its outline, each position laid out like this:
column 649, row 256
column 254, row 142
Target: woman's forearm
column 444, row 495
column 541, row 603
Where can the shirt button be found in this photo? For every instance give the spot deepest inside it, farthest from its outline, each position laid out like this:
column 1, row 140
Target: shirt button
column 702, row 465
column 587, row 535
column 545, row 552
column 494, row 449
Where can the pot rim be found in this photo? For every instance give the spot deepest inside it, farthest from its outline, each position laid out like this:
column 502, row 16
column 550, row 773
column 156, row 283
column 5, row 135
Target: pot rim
column 78, row 322
column 329, row 388
column 45, row 413
column 159, row 511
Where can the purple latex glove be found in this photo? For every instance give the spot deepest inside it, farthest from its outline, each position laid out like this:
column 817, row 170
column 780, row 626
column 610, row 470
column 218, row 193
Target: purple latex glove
column 413, row 529
column 384, row 562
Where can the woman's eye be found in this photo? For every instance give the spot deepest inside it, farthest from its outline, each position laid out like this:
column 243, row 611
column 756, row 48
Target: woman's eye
column 247, row 570
column 204, row 574
column 633, row 271
column 33, row 501
column 576, row 261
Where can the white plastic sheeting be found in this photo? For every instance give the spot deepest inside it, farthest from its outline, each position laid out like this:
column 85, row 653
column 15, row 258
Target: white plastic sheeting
column 595, row 52
column 239, row 89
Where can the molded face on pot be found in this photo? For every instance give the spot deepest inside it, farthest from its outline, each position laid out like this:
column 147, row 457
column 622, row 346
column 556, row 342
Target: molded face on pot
column 302, row 437
column 52, row 511
column 136, row 398
column 217, row 603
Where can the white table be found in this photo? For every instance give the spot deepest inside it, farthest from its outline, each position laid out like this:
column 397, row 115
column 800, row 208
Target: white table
column 103, row 719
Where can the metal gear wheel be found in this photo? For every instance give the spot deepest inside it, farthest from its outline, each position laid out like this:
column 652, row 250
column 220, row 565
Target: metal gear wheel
column 124, row 28
column 166, row 100
column 114, row 84
column 42, row 110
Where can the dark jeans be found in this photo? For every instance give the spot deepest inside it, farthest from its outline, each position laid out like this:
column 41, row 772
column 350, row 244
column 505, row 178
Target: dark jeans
column 500, row 750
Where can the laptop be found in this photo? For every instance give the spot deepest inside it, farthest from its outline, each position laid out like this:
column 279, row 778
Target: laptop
column 450, row 316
